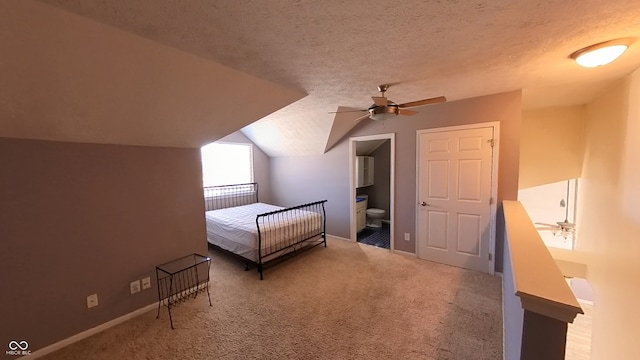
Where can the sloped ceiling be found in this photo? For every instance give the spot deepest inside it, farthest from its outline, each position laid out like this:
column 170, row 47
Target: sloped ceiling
column 364, row 148
column 343, row 123
column 69, row 78
column 339, row 51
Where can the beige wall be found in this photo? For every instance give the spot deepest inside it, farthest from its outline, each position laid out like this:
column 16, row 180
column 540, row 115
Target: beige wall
column 608, row 223
column 551, row 145
column 78, row 219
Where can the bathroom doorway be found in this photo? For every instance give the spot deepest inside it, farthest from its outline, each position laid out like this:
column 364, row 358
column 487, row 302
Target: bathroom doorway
column 372, row 169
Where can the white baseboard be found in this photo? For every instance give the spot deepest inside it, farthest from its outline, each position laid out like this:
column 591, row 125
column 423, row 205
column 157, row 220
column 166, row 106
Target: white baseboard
column 85, row 334
column 339, row 238
column 404, row 253
column 498, row 274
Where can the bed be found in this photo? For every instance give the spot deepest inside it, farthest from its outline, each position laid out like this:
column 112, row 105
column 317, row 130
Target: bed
column 257, row 232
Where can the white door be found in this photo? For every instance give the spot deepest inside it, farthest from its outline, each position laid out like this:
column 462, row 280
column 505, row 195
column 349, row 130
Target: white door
column 454, row 191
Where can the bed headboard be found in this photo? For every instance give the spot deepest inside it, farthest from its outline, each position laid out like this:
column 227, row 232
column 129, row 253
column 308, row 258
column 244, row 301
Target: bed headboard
column 225, row 196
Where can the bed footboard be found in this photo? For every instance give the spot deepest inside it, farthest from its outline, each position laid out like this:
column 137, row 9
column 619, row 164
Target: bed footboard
column 284, row 231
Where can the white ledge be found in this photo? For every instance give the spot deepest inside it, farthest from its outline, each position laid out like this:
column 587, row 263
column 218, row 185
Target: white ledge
column 536, row 276
column 572, row 263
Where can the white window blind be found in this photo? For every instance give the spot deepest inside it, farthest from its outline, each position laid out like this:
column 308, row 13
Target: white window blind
column 227, row 163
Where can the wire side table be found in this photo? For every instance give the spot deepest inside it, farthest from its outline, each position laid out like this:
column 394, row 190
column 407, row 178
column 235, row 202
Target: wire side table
column 181, row 279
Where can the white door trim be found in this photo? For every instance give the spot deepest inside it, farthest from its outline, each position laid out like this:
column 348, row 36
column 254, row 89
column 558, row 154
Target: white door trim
column 352, row 181
column 494, row 181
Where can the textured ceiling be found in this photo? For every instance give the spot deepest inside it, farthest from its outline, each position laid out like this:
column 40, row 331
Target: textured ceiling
column 337, row 51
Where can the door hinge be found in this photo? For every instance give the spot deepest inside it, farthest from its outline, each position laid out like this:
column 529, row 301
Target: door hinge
column 489, row 256
column 492, row 142
column 491, row 200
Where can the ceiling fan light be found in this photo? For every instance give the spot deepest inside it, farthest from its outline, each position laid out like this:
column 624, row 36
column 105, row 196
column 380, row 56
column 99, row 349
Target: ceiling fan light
column 601, row 54
column 380, row 116
column 379, row 113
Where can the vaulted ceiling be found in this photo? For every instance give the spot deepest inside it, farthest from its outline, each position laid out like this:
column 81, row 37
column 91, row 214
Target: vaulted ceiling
column 338, row 51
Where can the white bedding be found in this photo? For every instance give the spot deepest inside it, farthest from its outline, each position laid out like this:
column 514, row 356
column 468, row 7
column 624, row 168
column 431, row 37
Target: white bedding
column 234, row 229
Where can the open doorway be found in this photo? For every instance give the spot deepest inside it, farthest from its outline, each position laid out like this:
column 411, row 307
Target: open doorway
column 372, row 183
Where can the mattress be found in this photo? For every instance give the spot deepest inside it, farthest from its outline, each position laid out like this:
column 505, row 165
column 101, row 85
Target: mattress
column 234, row 229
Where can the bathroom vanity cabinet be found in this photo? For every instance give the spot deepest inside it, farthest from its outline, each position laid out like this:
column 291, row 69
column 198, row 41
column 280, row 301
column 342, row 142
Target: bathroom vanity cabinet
column 361, row 215
column 364, row 171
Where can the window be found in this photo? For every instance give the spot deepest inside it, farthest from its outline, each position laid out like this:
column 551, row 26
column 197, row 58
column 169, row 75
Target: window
column 226, row 163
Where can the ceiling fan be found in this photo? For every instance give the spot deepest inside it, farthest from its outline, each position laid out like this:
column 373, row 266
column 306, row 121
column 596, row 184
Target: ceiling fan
column 382, row 108
column 565, row 228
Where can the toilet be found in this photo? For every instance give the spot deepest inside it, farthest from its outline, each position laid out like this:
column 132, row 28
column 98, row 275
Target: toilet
column 374, row 217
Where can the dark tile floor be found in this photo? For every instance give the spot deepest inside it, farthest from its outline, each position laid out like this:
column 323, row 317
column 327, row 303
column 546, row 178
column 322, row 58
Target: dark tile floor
column 377, row 237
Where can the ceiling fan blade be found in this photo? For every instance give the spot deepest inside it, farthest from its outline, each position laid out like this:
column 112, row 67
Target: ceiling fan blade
column 547, row 224
column 379, row 100
column 361, row 117
column 345, row 111
column 434, row 100
column 406, row 112
column 550, row 228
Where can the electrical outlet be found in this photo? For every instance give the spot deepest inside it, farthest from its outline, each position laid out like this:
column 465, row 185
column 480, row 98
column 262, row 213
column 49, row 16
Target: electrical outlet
column 134, row 286
column 407, row 236
column 146, row 283
column 92, row 300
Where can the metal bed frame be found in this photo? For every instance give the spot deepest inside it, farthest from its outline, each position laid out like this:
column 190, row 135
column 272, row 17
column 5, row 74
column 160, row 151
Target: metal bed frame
column 298, row 232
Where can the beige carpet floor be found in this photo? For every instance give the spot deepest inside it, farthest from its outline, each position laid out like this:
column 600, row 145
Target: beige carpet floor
column 346, row 301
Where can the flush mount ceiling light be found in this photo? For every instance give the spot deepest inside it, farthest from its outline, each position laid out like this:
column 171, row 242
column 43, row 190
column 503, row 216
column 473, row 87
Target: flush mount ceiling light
column 602, row 53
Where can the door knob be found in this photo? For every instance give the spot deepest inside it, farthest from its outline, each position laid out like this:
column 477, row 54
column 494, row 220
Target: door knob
column 424, row 204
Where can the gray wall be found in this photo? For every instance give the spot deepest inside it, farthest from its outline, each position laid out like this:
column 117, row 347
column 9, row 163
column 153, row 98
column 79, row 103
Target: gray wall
column 78, row 219
column 302, row 179
column 261, row 166
column 296, row 179
column 379, row 196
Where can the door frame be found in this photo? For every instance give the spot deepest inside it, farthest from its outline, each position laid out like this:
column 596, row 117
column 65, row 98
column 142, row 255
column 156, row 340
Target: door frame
column 352, row 181
column 494, row 182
